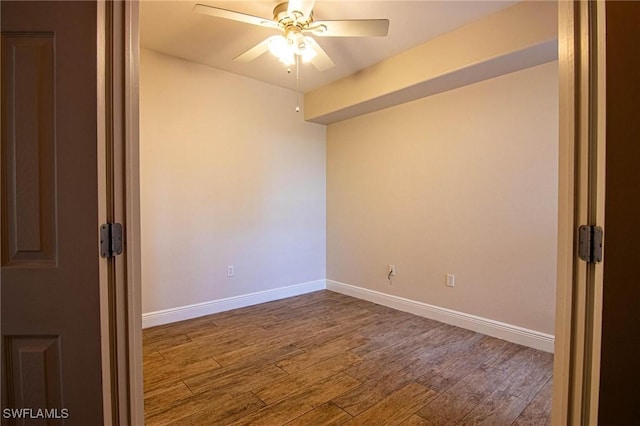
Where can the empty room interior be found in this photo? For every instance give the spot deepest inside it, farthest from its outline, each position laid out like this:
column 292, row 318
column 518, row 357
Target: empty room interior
column 366, row 241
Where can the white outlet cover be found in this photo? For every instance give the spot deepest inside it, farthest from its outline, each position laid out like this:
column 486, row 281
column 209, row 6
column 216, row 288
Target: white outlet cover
column 451, row 280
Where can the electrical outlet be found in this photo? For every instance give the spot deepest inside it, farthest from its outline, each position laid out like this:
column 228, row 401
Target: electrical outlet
column 230, row 270
column 451, row 280
column 392, row 270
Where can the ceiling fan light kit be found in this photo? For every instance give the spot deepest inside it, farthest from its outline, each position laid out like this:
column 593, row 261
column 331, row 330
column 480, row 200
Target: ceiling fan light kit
column 285, row 47
column 295, row 19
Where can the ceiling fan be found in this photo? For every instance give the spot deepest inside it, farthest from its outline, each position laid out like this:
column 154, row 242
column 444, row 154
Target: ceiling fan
column 294, row 19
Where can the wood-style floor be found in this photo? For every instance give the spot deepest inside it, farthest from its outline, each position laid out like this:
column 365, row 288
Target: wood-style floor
column 328, row 359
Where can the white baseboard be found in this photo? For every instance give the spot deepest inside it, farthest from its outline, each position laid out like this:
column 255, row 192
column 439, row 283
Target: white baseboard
column 181, row 313
column 511, row 333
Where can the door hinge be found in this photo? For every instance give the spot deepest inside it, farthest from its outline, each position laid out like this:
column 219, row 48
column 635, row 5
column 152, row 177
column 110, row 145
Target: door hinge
column 110, row 239
column 590, row 243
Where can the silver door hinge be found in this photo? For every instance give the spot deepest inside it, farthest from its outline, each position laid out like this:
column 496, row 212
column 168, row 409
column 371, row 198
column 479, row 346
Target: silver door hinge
column 590, row 243
column 110, row 239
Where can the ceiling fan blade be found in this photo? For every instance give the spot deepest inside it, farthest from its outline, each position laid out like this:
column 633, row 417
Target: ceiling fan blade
column 321, row 61
column 257, row 50
column 234, row 16
column 304, row 7
column 351, row 28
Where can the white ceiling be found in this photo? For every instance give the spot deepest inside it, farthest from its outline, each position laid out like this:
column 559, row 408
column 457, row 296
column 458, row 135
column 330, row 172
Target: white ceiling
column 172, row 28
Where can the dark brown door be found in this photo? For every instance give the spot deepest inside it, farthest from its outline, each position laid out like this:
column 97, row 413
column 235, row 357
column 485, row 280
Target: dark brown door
column 51, row 351
column 620, row 354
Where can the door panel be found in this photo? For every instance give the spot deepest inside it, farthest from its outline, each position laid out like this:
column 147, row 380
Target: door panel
column 50, row 278
column 28, row 69
column 34, row 365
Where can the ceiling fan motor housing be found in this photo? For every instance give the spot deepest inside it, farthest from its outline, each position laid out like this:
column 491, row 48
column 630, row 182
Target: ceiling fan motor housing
column 287, row 20
column 293, row 23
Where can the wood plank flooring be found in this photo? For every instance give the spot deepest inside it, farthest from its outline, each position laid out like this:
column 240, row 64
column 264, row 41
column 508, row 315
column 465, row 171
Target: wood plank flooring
column 328, row 359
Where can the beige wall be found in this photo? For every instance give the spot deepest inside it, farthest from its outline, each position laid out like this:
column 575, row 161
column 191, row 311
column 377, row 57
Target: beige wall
column 462, row 182
column 230, row 174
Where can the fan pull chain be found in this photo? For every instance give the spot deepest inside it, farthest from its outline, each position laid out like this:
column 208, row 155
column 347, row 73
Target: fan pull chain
column 297, row 83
